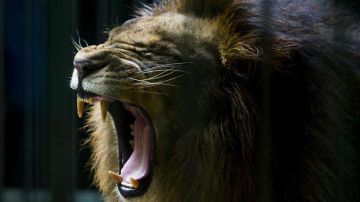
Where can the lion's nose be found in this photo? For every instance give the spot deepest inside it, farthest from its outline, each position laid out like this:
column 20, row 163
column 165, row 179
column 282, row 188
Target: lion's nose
column 85, row 65
column 87, row 60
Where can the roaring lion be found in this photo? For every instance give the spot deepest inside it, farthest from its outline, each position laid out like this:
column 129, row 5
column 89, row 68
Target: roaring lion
column 225, row 100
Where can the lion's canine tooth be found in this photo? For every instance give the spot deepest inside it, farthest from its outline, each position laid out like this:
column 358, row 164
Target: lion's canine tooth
column 91, row 100
column 80, row 106
column 104, row 107
column 116, row 177
column 135, row 183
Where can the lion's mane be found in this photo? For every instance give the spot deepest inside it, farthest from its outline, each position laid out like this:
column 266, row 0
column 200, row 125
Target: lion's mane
column 283, row 111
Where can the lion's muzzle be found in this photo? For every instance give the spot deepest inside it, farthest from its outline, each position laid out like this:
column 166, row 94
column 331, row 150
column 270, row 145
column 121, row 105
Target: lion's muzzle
column 133, row 127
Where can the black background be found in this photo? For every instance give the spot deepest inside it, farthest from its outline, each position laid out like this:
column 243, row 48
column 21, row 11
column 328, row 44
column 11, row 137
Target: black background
column 40, row 139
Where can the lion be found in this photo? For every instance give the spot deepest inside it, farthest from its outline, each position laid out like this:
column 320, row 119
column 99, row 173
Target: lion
column 225, row 100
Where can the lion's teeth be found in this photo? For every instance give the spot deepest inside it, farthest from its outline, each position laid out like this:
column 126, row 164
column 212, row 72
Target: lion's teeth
column 104, row 107
column 116, row 177
column 80, row 106
column 135, row 183
column 91, row 100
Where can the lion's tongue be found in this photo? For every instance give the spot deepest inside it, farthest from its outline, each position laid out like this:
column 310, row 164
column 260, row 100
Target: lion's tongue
column 138, row 165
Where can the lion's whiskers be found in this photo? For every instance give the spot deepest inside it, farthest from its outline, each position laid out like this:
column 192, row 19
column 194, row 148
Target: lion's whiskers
column 156, row 80
column 78, row 44
column 160, row 75
column 152, row 92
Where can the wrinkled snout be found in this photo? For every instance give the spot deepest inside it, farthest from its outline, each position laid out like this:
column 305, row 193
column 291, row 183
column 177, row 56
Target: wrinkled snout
column 88, row 60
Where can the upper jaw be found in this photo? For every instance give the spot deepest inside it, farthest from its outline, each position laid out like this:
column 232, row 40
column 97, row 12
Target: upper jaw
column 95, row 84
column 90, row 91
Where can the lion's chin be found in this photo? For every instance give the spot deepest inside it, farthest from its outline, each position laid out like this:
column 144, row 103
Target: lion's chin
column 135, row 135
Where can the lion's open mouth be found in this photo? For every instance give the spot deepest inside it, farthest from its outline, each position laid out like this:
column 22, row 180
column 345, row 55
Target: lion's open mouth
column 135, row 134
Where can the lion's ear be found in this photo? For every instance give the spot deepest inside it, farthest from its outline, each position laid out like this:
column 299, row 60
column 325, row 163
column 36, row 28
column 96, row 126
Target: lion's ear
column 240, row 54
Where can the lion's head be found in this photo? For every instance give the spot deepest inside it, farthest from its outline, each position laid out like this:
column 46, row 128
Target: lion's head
column 182, row 109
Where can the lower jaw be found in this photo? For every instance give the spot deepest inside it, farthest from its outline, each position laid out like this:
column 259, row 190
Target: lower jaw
column 141, row 190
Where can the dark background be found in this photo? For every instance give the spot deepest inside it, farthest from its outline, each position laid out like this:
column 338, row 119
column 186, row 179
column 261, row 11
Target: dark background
column 41, row 157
